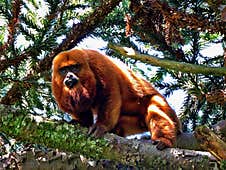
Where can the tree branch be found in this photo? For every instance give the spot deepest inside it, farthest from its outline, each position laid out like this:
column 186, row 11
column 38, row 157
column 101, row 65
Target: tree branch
column 211, row 142
column 168, row 64
column 79, row 31
column 73, row 138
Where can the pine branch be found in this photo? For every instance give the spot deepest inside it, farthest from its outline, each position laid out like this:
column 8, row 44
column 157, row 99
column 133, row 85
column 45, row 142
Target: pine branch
column 78, row 32
column 191, row 21
column 5, row 63
column 168, row 64
column 32, row 50
column 160, row 25
column 12, row 26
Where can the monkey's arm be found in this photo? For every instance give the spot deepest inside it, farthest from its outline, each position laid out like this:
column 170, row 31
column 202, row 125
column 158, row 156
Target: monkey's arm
column 108, row 112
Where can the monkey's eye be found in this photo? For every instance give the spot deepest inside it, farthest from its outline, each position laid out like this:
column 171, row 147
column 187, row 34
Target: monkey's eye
column 75, row 68
column 63, row 71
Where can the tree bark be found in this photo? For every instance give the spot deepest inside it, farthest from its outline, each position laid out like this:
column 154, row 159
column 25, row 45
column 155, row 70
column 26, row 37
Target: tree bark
column 73, row 138
column 211, row 142
column 168, row 64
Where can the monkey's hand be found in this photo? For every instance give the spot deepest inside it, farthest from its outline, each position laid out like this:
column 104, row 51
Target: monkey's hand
column 161, row 145
column 97, row 130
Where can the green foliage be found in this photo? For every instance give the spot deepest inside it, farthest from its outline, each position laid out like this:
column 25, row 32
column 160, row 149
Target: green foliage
column 223, row 164
column 19, row 125
column 113, row 27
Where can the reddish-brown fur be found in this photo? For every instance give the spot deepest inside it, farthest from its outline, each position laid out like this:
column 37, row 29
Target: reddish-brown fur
column 123, row 102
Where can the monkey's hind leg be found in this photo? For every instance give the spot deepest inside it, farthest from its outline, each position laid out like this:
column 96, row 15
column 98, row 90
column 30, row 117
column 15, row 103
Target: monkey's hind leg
column 161, row 121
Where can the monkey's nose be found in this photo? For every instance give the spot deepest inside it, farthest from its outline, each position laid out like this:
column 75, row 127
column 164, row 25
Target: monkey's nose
column 71, row 80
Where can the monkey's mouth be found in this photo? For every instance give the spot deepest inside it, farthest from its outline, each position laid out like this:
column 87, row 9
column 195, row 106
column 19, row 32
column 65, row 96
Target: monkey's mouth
column 70, row 83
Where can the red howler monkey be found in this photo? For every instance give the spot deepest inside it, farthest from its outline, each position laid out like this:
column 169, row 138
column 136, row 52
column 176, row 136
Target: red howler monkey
column 86, row 83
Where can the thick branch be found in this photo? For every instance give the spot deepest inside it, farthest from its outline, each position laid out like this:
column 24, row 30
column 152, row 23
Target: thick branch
column 168, row 64
column 211, row 142
column 71, row 138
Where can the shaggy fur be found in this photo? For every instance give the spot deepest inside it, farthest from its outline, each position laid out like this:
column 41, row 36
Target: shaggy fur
column 119, row 101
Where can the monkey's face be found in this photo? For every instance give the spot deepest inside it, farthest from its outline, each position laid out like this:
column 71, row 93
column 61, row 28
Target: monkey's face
column 69, row 74
column 73, row 82
column 69, row 67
